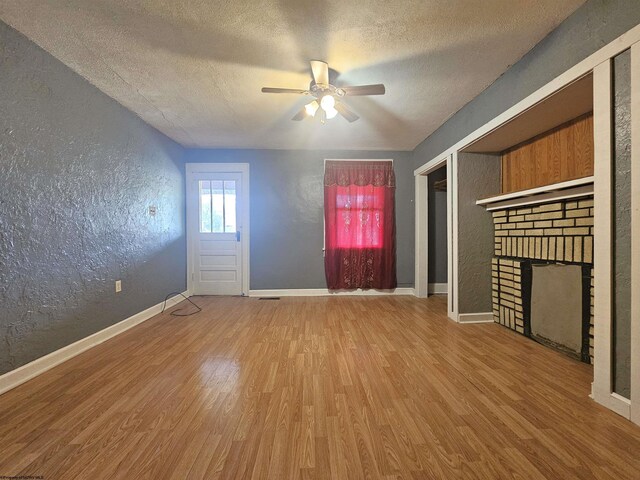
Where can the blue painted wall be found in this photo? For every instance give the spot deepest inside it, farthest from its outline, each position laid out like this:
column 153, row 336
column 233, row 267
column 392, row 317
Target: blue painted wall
column 77, row 174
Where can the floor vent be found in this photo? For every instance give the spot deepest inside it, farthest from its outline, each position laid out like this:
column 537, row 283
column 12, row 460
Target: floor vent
column 269, row 298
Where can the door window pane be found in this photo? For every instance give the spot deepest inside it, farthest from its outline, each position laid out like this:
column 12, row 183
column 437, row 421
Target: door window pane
column 230, row 206
column 205, row 206
column 217, row 206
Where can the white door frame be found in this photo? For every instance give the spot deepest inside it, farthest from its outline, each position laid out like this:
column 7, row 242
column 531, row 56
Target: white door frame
column 635, row 234
column 243, row 168
column 602, row 387
column 422, row 232
column 422, row 236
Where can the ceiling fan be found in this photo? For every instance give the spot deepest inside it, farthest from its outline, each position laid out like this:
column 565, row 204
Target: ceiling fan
column 328, row 97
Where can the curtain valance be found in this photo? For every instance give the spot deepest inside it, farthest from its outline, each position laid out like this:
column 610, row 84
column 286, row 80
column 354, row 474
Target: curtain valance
column 344, row 173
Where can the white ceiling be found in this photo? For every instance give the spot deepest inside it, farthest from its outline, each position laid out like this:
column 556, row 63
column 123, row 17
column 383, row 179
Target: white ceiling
column 194, row 68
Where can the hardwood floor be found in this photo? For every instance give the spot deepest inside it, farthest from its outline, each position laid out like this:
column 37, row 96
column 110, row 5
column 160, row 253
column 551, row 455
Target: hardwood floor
column 341, row 387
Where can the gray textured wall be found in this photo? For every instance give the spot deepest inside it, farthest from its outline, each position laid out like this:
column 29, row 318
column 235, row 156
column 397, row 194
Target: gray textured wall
column 591, row 27
column 478, row 177
column 287, row 213
column 622, row 221
column 77, row 174
column 437, row 228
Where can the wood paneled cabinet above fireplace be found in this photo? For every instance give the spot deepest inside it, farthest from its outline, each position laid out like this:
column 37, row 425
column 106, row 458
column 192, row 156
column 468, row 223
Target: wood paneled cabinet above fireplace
column 561, row 154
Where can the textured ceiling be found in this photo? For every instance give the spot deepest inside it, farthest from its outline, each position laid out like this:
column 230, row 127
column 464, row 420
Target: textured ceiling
column 194, row 68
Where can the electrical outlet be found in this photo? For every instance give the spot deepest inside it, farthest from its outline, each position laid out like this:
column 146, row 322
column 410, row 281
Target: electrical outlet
column 118, row 286
column 153, row 210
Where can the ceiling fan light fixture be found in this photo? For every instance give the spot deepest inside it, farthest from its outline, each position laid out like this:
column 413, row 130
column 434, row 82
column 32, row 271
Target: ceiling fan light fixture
column 312, row 108
column 327, row 102
column 330, row 113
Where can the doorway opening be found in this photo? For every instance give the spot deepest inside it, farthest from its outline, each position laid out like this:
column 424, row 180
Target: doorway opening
column 437, row 270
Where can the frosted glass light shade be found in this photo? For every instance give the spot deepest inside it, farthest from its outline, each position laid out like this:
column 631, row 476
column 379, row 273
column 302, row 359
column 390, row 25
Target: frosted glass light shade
column 311, row 108
column 327, row 103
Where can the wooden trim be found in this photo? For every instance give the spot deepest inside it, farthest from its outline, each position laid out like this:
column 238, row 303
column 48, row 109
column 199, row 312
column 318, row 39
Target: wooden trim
column 486, row 317
column 324, row 292
column 602, row 264
column 421, row 261
column 615, row 403
column 438, row 288
column 422, row 236
column 433, row 165
column 635, row 234
column 585, row 190
column 556, row 187
column 452, row 228
column 40, row 365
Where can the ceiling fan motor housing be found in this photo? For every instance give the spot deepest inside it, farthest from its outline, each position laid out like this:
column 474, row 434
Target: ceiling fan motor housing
column 319, row 91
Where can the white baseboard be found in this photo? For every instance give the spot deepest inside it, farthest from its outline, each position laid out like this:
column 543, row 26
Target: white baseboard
column 437, row 288
column 40, row 365
column 323, row 292
column 475, row 317
column 613, row 401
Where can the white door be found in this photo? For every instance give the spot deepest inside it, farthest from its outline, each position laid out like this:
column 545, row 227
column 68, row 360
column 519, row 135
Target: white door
column 217, row 209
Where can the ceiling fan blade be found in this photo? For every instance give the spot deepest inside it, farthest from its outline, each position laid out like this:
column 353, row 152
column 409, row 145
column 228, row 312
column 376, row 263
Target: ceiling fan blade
column 300, row 115
column 284, row 90
column 320, row 71
column 346, row 112
column 364, row 90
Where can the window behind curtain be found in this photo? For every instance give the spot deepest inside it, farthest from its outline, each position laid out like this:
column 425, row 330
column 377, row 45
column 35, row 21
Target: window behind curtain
column 360, row 225
column 360, row 221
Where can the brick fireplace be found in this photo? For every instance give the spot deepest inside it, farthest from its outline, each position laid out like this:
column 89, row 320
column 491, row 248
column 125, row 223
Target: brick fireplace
column 558, row 233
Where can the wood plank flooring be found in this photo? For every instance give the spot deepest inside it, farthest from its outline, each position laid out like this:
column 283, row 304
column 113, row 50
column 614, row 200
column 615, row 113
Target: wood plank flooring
column 312, row 388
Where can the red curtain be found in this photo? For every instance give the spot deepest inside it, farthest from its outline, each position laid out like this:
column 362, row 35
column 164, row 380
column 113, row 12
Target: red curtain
column 360, row 232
